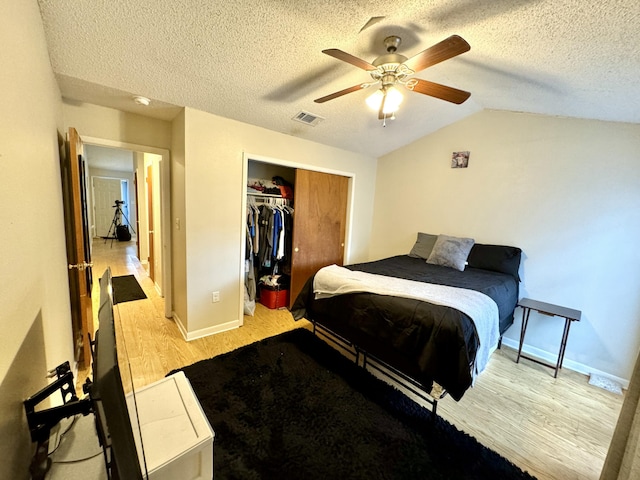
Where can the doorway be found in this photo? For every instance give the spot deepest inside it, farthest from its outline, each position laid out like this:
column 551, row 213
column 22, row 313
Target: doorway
column 120, row 169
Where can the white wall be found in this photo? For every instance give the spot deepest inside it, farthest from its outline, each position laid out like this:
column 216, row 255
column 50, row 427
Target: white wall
column 34, row 294
column 566, row 191
column 213, row 169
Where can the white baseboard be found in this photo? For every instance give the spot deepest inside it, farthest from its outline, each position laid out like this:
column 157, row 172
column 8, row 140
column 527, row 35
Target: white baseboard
column 204, row 332
column 552, row 358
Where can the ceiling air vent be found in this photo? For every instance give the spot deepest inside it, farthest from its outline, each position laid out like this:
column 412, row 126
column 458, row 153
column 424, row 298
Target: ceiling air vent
column 308, row 118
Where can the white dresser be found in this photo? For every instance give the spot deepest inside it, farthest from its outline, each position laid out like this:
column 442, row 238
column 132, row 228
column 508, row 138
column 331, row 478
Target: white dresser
column 177, row 440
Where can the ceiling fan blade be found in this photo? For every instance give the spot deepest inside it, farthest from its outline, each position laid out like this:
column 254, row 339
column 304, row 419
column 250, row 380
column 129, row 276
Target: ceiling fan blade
column 446, row 49
column 442, row 92
column 355, row 88
column 347, row 57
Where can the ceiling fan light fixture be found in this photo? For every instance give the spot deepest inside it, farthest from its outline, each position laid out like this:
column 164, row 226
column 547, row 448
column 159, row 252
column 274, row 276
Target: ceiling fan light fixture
column 393, row 101
column 374, row 100
column 391, row 104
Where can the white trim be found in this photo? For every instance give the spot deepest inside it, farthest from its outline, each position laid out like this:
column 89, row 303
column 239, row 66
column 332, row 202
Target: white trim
column 243, row 236
column 204, row 332
column 552, row 358
column 288, row 163
column 165, row 182
column 180, row 325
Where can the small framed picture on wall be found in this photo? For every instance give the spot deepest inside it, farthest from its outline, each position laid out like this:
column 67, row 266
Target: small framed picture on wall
column 460, row 159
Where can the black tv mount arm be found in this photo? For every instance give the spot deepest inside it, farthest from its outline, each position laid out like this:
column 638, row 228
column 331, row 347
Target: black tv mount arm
column 42, row 421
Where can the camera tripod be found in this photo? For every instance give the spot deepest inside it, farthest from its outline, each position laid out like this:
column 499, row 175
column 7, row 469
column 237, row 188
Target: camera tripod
column 117, row 222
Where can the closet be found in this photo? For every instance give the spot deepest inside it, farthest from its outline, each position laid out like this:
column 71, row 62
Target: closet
column 318, row 202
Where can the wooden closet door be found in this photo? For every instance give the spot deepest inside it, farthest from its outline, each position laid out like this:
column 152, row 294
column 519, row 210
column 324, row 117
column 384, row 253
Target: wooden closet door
column 319, row 224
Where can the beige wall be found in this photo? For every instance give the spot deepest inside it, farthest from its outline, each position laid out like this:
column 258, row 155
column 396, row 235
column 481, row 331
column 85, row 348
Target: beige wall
column 213, row 193
column 109, row 124
column 566, row 191
column 34, row 296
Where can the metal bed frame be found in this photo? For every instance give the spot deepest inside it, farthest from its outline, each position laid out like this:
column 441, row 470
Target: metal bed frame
column 367, row 360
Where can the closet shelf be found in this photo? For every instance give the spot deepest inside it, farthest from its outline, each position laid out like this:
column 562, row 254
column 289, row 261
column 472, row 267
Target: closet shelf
column 258, row 194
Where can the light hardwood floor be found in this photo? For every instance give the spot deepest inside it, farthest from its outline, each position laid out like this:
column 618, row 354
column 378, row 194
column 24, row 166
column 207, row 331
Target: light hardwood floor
column 553, row 428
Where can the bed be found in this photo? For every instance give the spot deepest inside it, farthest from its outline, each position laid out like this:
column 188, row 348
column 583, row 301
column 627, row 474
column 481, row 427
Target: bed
column 428, row 341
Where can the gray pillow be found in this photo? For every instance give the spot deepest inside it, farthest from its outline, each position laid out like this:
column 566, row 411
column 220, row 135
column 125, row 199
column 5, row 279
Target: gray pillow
column 451, row 251
column 423, row 246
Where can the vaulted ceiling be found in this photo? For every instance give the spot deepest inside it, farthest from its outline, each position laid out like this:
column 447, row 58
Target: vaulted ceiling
column 261, row 62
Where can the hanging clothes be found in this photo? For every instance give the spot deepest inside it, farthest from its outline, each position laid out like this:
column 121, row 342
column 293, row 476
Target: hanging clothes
column 269, row 226
column 266, row 235
column 250, row 286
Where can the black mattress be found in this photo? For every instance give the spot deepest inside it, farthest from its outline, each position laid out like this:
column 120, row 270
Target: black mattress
column 425, row 341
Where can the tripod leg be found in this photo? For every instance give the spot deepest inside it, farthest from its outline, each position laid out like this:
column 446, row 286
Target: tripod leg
column 128, row 222
column 108, row 233
column 113, row 226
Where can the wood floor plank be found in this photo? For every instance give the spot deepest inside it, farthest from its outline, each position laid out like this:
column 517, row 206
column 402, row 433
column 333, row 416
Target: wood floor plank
column 555, row 428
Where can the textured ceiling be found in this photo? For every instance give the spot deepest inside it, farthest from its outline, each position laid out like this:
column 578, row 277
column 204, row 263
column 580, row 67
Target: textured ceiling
column 260, row 62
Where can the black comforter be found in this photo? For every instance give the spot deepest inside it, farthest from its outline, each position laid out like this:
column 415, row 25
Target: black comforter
column 425, row 341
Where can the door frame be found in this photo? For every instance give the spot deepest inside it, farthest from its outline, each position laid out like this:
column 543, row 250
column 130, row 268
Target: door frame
column 246, row 157
column 165, row 208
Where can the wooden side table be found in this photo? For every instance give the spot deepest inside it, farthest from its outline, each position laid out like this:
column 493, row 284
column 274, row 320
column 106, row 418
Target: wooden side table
column 569, row 315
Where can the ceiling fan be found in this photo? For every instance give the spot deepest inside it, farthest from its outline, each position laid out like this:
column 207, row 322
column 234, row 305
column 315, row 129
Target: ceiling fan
column 393, row 69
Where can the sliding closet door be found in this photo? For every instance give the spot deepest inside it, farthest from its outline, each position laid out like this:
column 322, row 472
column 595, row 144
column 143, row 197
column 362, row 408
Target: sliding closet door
column 319, row 224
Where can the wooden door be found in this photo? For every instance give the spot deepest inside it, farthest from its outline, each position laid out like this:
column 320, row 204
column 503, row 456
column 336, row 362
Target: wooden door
column 74, row 188
column 319, row 224
column 151, row 258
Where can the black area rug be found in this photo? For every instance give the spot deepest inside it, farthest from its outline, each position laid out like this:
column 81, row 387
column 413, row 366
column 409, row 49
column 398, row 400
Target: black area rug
column 126, row 289
column 292, row 407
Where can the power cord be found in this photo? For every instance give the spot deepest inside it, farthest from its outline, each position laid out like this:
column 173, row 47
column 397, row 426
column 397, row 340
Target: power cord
column 60, row 438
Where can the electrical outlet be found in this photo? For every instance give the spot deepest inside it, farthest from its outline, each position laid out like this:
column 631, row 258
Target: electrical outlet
column 215, row 297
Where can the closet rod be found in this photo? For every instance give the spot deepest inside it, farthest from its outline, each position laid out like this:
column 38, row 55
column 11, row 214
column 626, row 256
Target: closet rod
column 252, row 198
